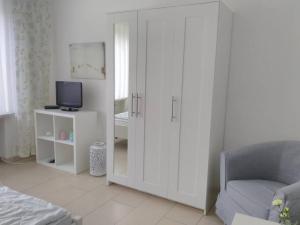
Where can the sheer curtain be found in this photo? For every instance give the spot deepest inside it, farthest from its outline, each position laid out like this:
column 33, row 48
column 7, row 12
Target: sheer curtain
column 32, row 25
column 29, row 26
column 7, row 68
column 25, row 64
column 121, row 60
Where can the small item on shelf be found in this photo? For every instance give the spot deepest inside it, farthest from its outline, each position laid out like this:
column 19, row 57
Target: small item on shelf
column 71, row 136
column 51, row 161
column 49, row 134
column 63, row 135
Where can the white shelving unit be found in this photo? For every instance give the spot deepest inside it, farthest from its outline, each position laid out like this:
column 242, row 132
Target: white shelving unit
column 69, row 156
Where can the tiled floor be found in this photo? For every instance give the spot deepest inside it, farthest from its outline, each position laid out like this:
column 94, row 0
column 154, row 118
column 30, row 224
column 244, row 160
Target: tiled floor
column 97, row 203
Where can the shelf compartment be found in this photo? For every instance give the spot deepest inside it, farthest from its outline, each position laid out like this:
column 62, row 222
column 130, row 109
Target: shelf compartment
column 67, row 167
column 65, row 142
column 48, row 151
column 44, row 125
column 64, row 157
column 63, row 124
column 46, row 138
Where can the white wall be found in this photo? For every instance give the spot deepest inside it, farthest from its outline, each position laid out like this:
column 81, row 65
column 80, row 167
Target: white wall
column 77, row 21
column 8, row 136
column 264, row 87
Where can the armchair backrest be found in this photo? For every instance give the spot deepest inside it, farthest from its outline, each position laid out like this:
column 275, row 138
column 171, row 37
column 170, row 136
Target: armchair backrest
column 288, row 164
column 277, row 161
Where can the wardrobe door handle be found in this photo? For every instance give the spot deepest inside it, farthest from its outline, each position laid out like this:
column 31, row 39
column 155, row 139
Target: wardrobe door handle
column 132, row 98
column 137, row 104
column 173, row 117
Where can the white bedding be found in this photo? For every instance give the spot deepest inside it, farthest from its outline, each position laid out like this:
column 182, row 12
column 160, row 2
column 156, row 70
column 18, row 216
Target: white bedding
column 121, row 125
column 122, row 116
column 21, row 209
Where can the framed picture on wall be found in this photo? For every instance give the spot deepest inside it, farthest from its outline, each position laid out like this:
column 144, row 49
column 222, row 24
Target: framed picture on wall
column 88, row 60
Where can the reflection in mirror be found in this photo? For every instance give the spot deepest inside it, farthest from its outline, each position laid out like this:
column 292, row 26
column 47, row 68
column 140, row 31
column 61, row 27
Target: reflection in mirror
column 121, row 50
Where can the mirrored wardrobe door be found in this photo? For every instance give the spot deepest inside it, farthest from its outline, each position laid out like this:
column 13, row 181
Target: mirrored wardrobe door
column 123, row 69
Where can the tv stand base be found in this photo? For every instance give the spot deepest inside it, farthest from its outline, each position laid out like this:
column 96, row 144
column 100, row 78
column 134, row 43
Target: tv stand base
column 70, row 109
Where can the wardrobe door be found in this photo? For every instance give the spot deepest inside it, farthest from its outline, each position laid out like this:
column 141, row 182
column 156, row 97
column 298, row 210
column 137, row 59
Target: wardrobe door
column 189, row 158
column 121, row 77
column 160, row 41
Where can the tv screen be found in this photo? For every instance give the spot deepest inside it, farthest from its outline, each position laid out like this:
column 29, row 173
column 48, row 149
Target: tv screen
column 69, row 94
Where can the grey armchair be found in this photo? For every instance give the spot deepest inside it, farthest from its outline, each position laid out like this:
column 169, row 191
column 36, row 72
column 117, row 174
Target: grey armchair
column 255, row 175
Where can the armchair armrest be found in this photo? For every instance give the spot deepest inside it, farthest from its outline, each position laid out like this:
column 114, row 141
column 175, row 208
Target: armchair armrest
column 291, row 198
column 250, row 162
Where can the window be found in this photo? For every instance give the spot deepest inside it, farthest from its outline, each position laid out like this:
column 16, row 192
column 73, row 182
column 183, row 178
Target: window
column 7, row 90
column 121, row 60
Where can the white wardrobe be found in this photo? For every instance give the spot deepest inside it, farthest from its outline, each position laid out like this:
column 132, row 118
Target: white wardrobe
column 167, row 70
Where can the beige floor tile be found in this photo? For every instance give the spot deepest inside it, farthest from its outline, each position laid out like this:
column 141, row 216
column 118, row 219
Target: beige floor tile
column 149, row 213
column 29, row 168
column 185, row 215
column 108, row 214
column 23, row 180
column 64, row 196
column 24, row 176
column 131, row 197
column 48, row 187
column 118, row 188
column 210, row 220
column 168, row 222
column 21, row 184
column 90, row 201
column 6, row 170
column 44, row 171
column 85, row 181
column 81, row 182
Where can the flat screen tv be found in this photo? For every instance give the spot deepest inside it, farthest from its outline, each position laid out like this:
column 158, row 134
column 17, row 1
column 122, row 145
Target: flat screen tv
column 69, row 95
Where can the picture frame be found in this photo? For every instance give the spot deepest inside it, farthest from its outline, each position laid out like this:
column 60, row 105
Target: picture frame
column 87, row 60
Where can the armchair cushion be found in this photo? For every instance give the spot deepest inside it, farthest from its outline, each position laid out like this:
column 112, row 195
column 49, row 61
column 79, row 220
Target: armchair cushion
column 278, row 161
column 254, row 196
column 291, row 197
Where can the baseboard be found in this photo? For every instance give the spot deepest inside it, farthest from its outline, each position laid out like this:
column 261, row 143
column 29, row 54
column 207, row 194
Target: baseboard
column 17, row 159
